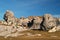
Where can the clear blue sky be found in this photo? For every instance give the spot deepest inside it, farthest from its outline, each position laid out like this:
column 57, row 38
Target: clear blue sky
column 30, row 7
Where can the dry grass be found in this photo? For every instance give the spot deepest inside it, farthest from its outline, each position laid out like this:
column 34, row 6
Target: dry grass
column 44, row 36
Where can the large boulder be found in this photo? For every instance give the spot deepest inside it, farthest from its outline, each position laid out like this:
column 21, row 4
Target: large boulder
column 57, row 27
column 35, row 22
column 49, row 21
column 9, row 17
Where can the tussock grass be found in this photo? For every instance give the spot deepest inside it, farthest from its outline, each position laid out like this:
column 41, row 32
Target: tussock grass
column 44, row 36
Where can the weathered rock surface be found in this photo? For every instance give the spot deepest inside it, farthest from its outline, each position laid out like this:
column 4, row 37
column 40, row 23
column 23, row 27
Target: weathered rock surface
column 49, row 21
column 9, row 17
column 12, row 26
column 36, row 21
column 56, row 27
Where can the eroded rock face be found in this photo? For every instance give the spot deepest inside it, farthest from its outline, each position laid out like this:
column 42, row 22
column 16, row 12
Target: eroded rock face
column 9, row 17
column 23, row 22
column 35, row 22
column 57, row 27
column 49, row 21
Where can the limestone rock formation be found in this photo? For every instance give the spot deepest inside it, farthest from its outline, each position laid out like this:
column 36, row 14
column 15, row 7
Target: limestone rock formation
column 49, row 21
column 57, row 27
column 46, row 22
column 23, row 22
column 9, row 17
column 12, row 26
column 36, row 22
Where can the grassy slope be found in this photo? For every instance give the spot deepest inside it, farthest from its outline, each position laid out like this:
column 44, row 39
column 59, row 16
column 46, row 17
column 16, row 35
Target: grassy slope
column 44, row 36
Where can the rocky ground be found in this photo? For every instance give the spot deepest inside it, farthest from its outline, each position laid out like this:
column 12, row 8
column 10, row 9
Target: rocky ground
column 35, row 35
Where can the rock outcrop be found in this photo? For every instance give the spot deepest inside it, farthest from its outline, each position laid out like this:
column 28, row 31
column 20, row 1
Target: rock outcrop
column 49, row 21
column 11, row 26
column 35, row 21
column 57, row 27
column 9, row 17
